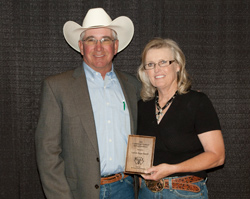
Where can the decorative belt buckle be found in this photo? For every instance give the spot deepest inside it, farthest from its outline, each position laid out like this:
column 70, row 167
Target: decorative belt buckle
column 155, row 186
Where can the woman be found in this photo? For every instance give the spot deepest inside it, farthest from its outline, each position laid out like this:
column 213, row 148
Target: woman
column 184, row 122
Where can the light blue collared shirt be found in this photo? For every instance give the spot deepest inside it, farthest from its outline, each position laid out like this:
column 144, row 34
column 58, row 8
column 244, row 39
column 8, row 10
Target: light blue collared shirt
column 111, row 119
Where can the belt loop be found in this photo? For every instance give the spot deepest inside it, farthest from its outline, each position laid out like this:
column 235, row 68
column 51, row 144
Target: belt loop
column 122, row 175
column 170, row 184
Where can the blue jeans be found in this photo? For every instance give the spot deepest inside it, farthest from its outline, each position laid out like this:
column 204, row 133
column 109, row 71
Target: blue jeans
column 145, row 193
column 123, row 189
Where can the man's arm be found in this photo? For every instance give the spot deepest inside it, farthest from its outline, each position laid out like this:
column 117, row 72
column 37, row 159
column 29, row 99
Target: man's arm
column 49, row 147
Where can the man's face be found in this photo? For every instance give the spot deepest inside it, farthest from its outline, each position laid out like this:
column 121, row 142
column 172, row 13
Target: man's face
column 99, row 56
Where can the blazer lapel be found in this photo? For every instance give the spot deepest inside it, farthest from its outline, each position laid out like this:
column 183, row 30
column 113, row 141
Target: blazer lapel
column 131, row 99
column 84, row 107
column 83, row 104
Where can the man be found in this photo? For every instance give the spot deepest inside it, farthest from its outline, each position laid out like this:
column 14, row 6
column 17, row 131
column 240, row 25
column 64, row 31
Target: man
column 87, row 114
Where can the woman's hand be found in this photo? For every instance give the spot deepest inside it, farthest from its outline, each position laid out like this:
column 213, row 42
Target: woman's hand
column 158, row 172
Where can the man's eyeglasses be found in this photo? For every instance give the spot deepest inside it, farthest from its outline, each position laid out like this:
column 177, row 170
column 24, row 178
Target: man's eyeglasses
column 91, row 41
column 162, row 63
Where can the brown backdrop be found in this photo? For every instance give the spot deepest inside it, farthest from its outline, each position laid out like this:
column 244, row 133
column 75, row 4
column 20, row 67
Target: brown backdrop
column 214, row 36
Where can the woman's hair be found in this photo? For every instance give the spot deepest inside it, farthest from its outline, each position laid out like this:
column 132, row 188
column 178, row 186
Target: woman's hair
column 183, row 80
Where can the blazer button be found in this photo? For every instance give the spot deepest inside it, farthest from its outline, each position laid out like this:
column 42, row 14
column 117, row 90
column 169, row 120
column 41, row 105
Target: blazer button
column 97, row 159
column 96, row 186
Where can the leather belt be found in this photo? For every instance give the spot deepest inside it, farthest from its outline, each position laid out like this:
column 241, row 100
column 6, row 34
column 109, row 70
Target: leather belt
column 113, row 178
column 183, row 183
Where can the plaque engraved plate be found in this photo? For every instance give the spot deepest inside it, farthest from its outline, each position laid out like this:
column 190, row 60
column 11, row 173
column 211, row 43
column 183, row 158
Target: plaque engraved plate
column 140, row 153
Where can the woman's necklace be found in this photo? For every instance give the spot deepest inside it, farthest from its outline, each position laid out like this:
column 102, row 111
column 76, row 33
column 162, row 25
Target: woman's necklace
column 159, row 112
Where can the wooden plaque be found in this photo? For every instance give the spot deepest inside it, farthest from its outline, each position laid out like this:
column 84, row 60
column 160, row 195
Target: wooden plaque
column 140, row 154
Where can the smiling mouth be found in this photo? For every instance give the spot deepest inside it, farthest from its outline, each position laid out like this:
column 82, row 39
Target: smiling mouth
column 159, row 76
column 98, row 56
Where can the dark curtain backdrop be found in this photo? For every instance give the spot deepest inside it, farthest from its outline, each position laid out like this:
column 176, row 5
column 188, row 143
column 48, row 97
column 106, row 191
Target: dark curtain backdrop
column 214, row 36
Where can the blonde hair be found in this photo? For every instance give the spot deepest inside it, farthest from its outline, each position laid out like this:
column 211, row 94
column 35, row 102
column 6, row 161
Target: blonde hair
column 183, row 80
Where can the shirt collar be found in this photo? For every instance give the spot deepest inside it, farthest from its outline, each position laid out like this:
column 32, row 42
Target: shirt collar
column 91, row 73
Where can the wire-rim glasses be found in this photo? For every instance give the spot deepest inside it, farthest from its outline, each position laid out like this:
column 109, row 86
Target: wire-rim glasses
column 162, row 63
column 91, row 41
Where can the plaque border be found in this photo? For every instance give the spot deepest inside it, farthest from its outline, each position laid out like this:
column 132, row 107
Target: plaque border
column 152, row 154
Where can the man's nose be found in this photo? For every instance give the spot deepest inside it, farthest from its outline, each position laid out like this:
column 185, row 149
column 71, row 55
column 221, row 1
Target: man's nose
column 98, row 45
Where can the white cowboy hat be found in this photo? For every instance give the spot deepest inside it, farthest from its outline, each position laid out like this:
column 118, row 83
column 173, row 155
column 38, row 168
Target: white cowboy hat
column 96, row 18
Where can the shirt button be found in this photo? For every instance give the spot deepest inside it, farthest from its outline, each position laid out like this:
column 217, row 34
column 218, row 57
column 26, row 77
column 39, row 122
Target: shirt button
column 97, row 186
column 110, row 159
column 107, row 103
column 109, row 121
column 110, row 140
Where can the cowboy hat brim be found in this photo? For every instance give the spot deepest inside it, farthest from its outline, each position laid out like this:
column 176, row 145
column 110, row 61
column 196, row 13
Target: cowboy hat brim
column 123, row 26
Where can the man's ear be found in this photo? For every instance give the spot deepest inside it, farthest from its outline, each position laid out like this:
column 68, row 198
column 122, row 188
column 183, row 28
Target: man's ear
column 80, row 44
column 116, row 46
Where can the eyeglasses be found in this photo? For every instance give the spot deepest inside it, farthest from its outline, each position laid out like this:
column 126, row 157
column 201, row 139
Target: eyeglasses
column 91, row 41
column 162, row 63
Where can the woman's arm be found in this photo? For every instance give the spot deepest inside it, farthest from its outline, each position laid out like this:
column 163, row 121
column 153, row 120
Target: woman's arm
column 213, row 156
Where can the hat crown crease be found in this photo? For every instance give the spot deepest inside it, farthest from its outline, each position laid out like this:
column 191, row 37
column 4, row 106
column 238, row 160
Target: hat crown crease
column 94, row 20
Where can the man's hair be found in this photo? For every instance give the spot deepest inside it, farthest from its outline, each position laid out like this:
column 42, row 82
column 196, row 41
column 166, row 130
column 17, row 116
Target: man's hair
column 114, row 35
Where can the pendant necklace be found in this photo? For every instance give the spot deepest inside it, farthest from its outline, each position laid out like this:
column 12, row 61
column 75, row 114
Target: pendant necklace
column 159, row 109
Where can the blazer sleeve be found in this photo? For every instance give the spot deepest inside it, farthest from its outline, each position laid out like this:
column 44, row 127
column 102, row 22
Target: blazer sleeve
column 48, row 146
